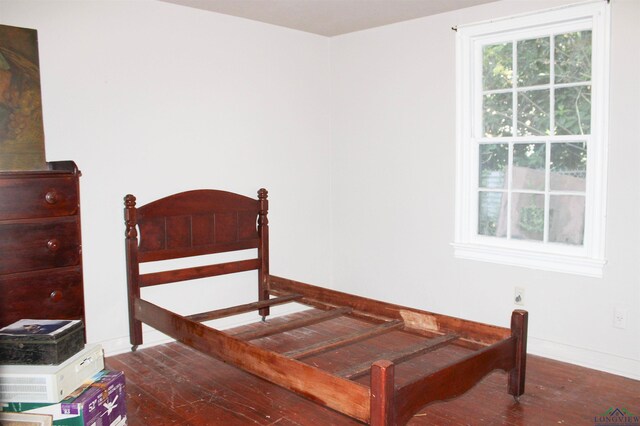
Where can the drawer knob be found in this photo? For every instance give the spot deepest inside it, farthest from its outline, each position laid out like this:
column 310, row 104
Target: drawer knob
column 51, row 197
column 53, row 245
column 56, row 295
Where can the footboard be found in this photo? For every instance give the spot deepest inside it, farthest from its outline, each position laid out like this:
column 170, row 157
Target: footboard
column 496, row 348
column 391, row 406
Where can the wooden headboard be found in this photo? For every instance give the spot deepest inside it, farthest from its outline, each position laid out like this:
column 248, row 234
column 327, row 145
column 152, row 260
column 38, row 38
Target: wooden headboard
column 195, row 223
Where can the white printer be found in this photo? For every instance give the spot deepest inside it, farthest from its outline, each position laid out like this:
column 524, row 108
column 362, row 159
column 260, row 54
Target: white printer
column 49, row 383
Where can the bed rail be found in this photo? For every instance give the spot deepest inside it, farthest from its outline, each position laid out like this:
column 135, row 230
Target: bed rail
column 340, row 394
column 471, row 334
column 207, row 221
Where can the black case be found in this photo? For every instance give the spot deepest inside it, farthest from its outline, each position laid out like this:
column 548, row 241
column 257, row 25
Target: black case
column 40, row 342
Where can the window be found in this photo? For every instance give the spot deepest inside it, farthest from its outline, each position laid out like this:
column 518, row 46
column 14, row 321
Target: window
column 531, row 140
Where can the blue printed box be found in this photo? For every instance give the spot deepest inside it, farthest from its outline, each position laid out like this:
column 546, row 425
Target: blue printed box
column 100, row 402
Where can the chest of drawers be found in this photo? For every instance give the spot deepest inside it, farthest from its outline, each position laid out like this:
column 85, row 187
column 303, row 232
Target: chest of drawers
column 40, row 244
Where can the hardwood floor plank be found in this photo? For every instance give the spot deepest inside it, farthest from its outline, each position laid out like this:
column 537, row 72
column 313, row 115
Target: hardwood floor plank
column 142, row 405
column 246, row 399
column 274, row 400
column 193, row 403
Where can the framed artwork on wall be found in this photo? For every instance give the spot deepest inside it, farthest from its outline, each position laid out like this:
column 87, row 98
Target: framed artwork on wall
column 21, row 124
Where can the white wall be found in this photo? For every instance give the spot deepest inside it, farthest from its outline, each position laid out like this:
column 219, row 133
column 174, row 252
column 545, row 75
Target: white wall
column 151, row 98
column 393, row 171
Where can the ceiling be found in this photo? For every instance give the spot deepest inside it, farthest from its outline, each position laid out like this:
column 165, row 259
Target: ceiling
column 329, row 17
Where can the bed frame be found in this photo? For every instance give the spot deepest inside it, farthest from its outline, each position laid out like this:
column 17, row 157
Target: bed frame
column 203, row 222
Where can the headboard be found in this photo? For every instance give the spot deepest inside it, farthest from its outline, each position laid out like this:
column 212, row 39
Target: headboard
column 195, row 223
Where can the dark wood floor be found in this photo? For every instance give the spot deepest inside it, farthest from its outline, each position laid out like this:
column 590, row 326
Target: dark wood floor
column 174, row 385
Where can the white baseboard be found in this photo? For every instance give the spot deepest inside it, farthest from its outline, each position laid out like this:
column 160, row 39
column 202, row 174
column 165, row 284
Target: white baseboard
column 121, row 345
column 614, row 364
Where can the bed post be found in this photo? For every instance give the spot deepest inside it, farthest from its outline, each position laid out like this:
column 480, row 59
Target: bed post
column 131, row 247
column 519, row 320
column 382, row 393
column 263, row 250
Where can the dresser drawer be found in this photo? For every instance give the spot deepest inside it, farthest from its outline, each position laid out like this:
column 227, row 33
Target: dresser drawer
column 44, row 295
column 35, row 245
column 35, row 198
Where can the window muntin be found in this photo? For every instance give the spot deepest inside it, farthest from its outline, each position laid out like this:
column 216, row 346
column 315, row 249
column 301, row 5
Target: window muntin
column 531, row 139
column 548, row 88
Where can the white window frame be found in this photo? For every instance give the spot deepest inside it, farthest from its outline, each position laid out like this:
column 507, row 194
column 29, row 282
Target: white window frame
column 589, row 258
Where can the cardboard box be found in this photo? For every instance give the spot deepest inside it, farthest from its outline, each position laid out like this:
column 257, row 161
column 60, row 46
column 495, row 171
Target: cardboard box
column 98, row 403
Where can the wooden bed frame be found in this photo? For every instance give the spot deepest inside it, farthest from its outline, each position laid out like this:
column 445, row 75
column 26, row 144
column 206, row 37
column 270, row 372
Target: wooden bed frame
column 203, row 222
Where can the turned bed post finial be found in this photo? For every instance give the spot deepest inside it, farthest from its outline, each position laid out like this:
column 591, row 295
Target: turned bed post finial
column 519, row 325
column 263, row 208
column 130, row 216
column 262, row 194
column 263, row 250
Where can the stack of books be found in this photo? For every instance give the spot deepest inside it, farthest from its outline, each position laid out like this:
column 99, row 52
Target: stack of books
column 50, row 377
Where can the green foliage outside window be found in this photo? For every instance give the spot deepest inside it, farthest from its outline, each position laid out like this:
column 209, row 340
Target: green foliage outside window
column 572, row 104
column 546, row 92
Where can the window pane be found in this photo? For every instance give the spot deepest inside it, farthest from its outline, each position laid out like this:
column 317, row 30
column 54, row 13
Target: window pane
column 569, row 166
column 498, row 114
column 573, row 110
column 492, row 216
column 527, row 216
column 493, row 165
column 533, row 113
column 529, row 161
column 497, row 67
column 534, row 58
column 566, row 219
column 573, row 57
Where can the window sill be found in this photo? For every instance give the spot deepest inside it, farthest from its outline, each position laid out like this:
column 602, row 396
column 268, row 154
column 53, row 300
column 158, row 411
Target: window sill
column 530, row 259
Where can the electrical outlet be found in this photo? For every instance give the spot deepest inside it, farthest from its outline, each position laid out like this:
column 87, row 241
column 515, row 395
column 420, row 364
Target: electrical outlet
column 518, row 296
column 620, row 317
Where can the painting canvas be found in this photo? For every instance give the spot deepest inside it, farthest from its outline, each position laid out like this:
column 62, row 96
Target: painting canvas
column 21, row 125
